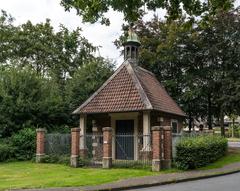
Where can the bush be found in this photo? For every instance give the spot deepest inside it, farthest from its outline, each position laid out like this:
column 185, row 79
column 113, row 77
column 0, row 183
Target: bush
column 194, row 152
column 25, row 143
column 59, row 159
column 6, row 152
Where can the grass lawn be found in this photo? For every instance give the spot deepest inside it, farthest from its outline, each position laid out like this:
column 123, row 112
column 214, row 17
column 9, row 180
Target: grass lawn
column 32, row 175
column 232, row 157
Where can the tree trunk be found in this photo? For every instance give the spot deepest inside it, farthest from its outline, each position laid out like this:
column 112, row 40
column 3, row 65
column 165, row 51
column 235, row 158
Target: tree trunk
column 190, row 123
column 222, row 122
column 209, row 112
column 233, row 124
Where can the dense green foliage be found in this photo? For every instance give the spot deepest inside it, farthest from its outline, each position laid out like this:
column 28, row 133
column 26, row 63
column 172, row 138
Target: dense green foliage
column 28, row 99
column 194, row 152
column 20, row 146
column 45, row 75
column 6, row 152
column 24, row 142
column 55, row 54
column 93, row 11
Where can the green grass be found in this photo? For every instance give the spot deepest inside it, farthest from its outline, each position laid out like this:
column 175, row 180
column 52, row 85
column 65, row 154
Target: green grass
column 15, row 175
column 232, row 157
column 32, row 175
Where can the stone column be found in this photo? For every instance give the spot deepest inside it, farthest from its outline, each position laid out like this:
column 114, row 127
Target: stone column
column 157, row 148
column 96, row 142
column 75, row 146
column 107, row 147
column 83, row 127
column 146, row 152
column 167, row 145
column 146, row 131
column 40, row 149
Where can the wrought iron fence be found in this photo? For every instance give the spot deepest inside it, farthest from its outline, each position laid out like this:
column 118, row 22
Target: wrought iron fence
column 58, row 144
column 94, row 150
column 175, row 139
column 132, row 150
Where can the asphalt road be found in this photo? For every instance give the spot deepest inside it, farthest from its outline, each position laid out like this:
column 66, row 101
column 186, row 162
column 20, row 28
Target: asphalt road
column 221, row 183
column 234, row 144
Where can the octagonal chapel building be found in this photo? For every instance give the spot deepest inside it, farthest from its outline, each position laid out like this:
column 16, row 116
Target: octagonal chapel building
column 131, row 101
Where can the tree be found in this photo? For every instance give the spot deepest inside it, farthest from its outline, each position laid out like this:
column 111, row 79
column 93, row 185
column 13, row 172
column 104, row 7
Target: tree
column 220, row 39
column 170, row 51
column 87, row 80
column 94, row 10
column 28, row 100
column 197, row 61
column 45, row 75
column 49, row 53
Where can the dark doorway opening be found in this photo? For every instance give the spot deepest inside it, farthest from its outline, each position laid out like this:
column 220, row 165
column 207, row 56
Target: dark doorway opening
column 125, row 139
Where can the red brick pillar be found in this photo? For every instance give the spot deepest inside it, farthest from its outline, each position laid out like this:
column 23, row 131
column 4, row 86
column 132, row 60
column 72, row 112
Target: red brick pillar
column 40, row 150
column 107, row 147
column 167, row 145
column 156, row 148
column 75, row 135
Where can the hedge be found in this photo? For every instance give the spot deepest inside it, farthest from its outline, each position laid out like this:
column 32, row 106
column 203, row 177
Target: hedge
column 20, row 146
column 6, row 152
column 194, row 152
column 25, row 142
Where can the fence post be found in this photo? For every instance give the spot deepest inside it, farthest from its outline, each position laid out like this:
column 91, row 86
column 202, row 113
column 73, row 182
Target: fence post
column 75, row 135
column 40, row 148
column 107, row 147
column 156, row 148
column 167, row 145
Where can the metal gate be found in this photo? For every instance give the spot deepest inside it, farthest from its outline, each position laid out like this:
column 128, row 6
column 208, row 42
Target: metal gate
column 124, row 147
column 124, row 139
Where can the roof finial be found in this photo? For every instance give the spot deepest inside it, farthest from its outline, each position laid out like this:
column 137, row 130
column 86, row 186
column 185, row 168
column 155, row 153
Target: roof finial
column 131, row 45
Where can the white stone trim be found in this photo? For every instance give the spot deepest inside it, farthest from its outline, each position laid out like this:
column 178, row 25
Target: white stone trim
column 83, row 127
column 146, row 131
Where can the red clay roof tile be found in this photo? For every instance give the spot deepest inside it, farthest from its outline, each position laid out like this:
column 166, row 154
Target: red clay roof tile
column 130, row 88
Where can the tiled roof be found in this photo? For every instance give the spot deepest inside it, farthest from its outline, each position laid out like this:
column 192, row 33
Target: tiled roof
column 156, row 93
column 130, row 88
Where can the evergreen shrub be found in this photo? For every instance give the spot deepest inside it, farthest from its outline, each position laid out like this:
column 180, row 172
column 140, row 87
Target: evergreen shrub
column 194, row 152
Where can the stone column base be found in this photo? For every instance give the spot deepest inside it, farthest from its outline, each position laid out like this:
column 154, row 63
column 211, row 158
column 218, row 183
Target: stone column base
column 83, row 153
column 39, row 158
column 107, row 162
column 74, row 161
column 156, row 165
column 166, row 164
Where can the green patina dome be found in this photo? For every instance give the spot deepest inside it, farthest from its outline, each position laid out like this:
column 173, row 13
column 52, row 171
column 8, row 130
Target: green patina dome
column 132, row 37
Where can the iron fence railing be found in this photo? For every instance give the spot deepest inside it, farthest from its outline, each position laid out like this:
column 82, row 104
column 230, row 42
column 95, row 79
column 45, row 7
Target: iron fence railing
column 94, row 150
column 58, row 144
column 132, row 150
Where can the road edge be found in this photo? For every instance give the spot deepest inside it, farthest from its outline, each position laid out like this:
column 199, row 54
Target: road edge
column 167, row 182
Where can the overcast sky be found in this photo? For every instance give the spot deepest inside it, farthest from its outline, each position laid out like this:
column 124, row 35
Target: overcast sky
column 38, row 10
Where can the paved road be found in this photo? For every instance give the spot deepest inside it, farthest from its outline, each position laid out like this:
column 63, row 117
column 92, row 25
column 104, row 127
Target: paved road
column 234, row 144
column 222, row 183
